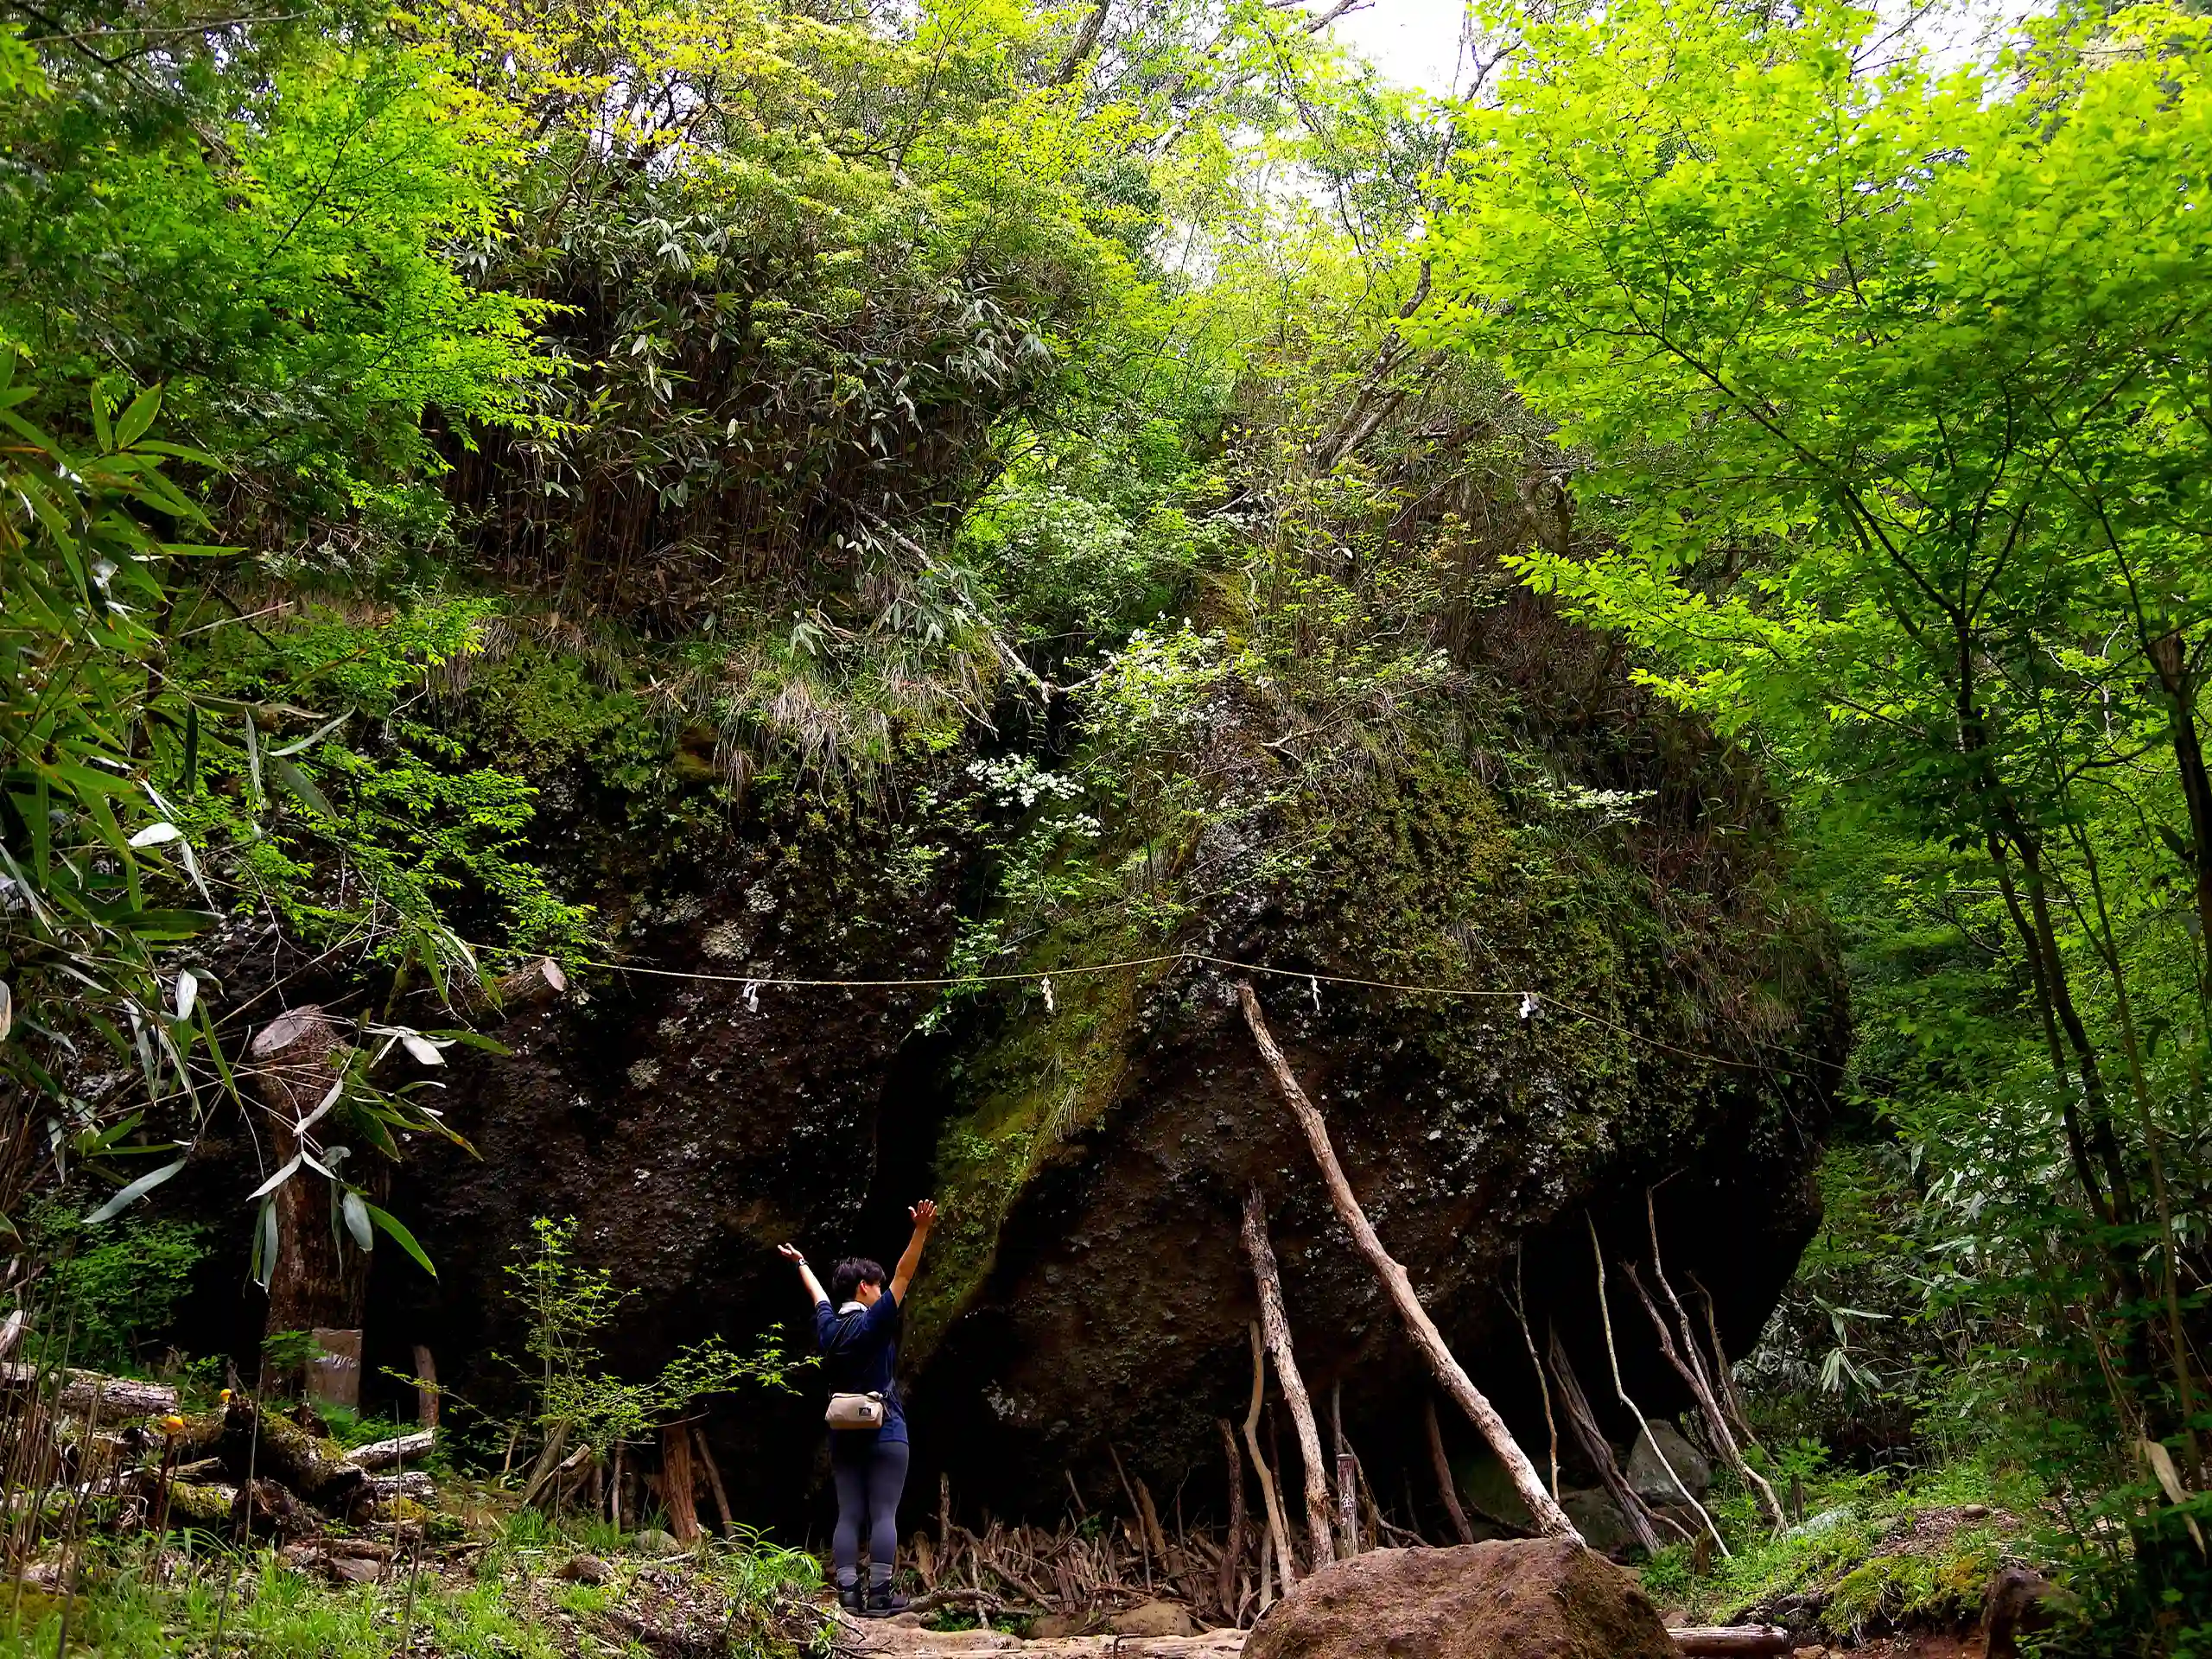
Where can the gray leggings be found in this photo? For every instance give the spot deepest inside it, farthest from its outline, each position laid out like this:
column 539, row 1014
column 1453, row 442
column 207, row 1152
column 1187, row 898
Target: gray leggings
column 869, row 1486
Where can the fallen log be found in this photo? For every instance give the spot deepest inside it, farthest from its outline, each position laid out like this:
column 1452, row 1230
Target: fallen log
column 400, row 1449
column 1450, row 1374
column 272, row 1445
column 119, row 1396
column 1717, row 1641
column 266, row 1506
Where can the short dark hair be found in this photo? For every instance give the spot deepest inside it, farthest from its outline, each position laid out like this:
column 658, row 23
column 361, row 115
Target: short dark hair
column 849, row 1274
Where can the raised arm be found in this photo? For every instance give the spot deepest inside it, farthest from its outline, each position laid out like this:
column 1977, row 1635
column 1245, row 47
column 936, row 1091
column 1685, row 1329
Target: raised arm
column 815, row 1295
column 925, row 1215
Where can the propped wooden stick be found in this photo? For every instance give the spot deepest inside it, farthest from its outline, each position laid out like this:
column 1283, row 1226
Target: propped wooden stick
column 1347, row 1473
column 1543, row 1388
column 1597, row 1450
column 1620, row 1391
column 1550, row 1518
column 1708, row 1407
column 1730, row 1395
column 706, row 1456
column 1278, row 1530
column 1232, row 1550
column 1445, row 1485
column 1275, row 1325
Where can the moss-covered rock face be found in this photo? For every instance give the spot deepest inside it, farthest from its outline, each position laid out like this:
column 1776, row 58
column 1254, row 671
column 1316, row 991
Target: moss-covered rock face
column 688, row 1120
column 1518, row 1016
column 1570, row 1045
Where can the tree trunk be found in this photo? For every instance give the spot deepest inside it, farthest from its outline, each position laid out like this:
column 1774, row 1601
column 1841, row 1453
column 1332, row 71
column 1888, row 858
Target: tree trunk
column 1445, row 1485
column 2170, row 655
column 1550, row 1518
column 426, row 1388
column 316, row 1282
column 1274, row 1324
column 676, row 1482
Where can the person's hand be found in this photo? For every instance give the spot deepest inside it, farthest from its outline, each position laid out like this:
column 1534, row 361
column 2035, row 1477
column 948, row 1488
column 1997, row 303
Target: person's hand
column 925, row 1215
column 790, row 1253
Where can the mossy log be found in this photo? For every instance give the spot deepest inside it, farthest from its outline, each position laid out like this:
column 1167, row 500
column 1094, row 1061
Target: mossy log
column 193, row 1504
column 264, row 1443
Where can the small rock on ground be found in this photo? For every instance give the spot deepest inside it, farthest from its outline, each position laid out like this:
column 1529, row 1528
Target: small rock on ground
column 1154, row 1619
column 586, row 1569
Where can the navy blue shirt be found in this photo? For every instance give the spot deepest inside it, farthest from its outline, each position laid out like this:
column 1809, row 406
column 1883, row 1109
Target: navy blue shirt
column 859, row 1351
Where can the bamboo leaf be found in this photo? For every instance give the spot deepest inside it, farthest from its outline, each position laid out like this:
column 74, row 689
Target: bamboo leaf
column 400, row 1236
column 137, row 418
column 130, row 1194
column 357, row 1219
column 290, row 774
column 276, row 1180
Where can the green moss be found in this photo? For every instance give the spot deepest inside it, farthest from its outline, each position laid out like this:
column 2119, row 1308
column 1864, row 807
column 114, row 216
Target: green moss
column 197, row 1506
column 1044, row 1081
column 1415, row 871
column 1942, row 1587
column 534, row 712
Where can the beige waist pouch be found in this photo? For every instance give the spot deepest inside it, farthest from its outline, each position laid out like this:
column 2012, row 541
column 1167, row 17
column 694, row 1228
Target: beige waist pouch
column 855, row 1411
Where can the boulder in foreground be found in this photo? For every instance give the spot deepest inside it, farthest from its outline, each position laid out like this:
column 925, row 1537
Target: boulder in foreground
column 1513, row 1599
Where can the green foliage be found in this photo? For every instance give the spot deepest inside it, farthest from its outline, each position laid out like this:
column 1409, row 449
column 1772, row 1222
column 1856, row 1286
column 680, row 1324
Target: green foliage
column 265, row 216
column 82, row 829
column 567, row 1305
column 108, row 1291
column 1880, row 1554
column 128, row 1610
column 1890, row 468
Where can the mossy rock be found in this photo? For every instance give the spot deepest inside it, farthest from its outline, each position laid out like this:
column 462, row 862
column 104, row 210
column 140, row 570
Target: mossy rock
column 1090, row 1289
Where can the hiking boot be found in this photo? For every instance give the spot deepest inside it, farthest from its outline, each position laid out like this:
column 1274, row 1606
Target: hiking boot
column 853, row 1599
column 883, row 1601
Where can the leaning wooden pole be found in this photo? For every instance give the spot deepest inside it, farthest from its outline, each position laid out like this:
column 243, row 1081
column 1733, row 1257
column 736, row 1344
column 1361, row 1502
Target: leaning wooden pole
column 1446, row 1483
column 1232, row 1550
column 1275, row 1325
column 1278, row 1527
column 1550, row 1518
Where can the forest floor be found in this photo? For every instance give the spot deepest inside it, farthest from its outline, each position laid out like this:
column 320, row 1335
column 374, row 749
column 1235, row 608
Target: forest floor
column 1886, row 1569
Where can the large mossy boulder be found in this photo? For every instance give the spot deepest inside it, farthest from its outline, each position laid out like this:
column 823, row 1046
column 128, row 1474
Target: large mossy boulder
column 1523, row 997
column 1515, row 1029
column 1508, row 1599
